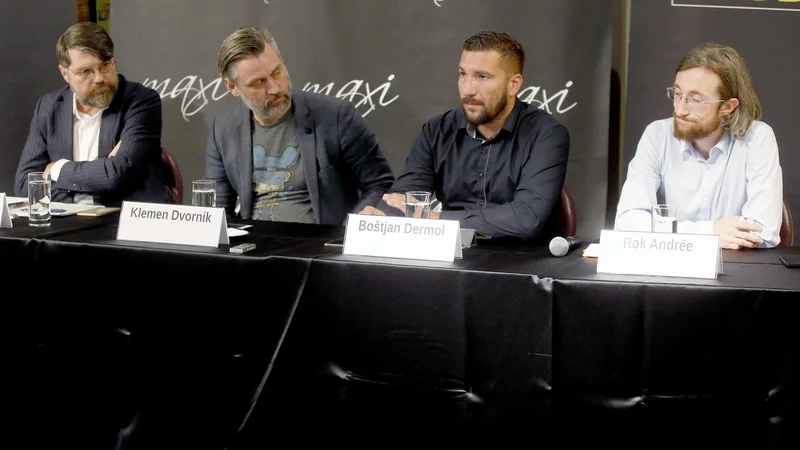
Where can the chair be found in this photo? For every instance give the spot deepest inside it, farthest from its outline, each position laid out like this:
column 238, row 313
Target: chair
column 568, row 221
column 787, row 227
column 173, row 181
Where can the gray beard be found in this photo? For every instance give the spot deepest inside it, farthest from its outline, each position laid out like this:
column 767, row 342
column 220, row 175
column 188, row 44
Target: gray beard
column 99, row 100
column 264, row 111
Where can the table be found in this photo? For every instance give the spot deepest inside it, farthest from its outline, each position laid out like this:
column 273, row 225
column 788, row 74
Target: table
column 295, row 340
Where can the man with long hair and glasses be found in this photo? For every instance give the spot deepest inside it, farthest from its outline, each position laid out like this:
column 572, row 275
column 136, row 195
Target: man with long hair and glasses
column 99, row 136
column 713, row 160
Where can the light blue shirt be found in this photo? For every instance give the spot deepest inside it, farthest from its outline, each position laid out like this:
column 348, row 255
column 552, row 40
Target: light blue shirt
column 742, row 177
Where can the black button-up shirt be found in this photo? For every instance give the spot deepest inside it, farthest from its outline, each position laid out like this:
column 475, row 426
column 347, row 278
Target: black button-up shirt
column 507, row 185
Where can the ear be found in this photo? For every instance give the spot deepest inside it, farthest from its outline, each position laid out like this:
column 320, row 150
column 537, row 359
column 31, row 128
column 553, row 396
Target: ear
column 514, row 84
column 729, row 106
column 63, row 72
column 231, row 87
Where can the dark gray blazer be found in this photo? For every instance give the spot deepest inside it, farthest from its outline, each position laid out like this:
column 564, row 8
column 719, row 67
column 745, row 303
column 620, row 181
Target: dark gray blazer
column 342, row 162
column 135, row 173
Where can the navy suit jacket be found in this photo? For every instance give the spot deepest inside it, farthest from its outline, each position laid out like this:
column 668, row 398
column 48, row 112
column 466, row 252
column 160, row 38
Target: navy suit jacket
column 135, row 173
column 342, row 162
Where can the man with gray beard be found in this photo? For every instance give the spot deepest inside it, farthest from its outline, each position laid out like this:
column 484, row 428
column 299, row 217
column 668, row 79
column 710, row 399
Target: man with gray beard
column 288, row 156
column 99, row 137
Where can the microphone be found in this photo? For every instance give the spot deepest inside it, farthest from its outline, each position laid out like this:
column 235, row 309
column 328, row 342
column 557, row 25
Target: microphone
column 560, row 246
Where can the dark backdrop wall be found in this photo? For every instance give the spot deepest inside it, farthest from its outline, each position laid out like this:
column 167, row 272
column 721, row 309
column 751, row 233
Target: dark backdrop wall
column 28, row 32
column 396, row 60
column 766, row 34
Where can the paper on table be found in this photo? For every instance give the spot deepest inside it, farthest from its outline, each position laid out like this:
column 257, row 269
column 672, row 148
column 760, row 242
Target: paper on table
column 235, row 232
column 13, row 202
column 592, row 251
column 57, row 209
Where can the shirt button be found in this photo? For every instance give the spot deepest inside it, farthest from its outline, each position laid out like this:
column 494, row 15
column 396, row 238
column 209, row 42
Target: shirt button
column 480, row 203
column 480, row 175
column 483, row 152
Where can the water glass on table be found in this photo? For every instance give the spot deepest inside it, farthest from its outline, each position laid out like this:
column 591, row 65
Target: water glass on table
column 418, row 204
column 39, row 186
column 665, row 219
column 204, row 193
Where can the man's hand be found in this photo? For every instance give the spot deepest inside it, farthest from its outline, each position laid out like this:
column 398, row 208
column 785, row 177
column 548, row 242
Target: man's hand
column 115, row 150
column 396, row 201
column 49, row 167
column 734, row 233
column 372, row 211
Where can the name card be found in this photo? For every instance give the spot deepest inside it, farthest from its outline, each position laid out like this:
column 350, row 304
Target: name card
column 660, row 254
column 402, row 237
column 172, row 224
column 5, row 214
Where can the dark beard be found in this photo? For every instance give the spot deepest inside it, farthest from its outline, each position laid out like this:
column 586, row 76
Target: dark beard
column 487, row 115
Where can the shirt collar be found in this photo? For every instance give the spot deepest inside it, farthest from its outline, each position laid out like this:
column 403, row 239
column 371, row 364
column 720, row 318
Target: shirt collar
column 723, row 146
column 509, row 125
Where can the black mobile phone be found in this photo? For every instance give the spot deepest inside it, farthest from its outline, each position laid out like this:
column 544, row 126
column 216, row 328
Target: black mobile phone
column 790, row 260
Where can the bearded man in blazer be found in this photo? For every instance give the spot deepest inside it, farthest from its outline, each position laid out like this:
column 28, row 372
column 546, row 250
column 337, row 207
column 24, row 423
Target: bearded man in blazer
column 99, row 137
column 287, row 155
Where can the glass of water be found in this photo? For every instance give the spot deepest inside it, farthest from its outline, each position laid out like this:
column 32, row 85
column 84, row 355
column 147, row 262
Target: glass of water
column 204, row 193
column 665, row 219
column 39, row 199
column 418, row 204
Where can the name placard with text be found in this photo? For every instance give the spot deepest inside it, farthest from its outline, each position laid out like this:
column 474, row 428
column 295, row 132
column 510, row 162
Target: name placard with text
column 5, row 213
column 660, row 254
column 402, row 237
column 172, row 224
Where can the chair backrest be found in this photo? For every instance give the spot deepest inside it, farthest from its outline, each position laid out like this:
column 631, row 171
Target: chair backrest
column 174, row 180
column 568, row 220
column 787, row 227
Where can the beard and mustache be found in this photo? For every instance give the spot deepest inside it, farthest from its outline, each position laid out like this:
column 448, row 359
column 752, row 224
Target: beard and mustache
column 694, row 129
column 267, row 109
column 488, row 113
column 98, row 96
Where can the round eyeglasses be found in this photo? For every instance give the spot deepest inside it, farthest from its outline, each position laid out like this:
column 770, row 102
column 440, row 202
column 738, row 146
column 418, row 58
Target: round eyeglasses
column 693, row 102
column 86, row 74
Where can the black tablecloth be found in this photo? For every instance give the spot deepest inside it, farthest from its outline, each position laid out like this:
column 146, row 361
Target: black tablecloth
column 166, row 346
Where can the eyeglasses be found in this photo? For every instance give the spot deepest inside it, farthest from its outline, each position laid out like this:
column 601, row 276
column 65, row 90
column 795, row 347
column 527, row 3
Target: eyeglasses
column 692, row 102
column 86, row 74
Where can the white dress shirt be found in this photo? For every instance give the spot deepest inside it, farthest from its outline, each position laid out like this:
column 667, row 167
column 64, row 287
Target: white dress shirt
column 85, row 141
column 742, row 177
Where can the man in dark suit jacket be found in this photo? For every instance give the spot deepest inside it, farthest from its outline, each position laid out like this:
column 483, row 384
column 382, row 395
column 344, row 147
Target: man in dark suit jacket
column 289, row 156
column 100, row 136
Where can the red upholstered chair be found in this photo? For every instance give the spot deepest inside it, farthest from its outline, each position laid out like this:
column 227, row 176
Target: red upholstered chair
column 787, row 227
column 174, row 180
column 568, row 220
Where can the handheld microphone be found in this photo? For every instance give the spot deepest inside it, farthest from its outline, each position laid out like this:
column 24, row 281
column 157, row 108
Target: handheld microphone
column 560, row 246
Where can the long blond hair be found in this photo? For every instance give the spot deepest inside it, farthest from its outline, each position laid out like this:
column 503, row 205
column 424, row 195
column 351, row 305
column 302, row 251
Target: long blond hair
column 734, row 83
